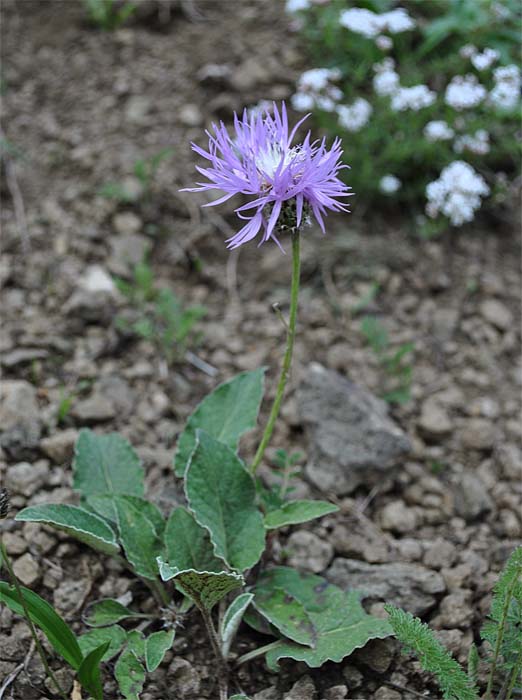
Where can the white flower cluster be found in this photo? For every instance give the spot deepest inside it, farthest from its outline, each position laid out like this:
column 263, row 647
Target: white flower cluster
column 477, row 143
column 371, row 24
column 464, row 92
column 506, row 91
column 484, row 60
column 389, row 184
column 456, row 194
column 438, row 130
column 314, row 89
column 353, row 117
column 386, row 82
column 293, row 6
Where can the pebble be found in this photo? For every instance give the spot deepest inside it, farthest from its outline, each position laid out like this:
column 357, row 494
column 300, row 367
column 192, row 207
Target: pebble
column 397, row 517
column 409, row 549
column 190, row 115
column 440, row 554
column 497, row 314
column 95, row 409
column 385, row 693
column 19, row 418
column 303, row 689
column 14, row 544
column 434, row 423
column 71, row 594
column 478, row 434
column 454, row 610
column 95, row 280
column 377, row 654
column 352, row 676
column 25, row 478
column 471, row 497
column 59, row 447
column 510, row 459
column 128, row 225
column 27, row 569
column 183, row 678
column 137, row 109
column 336, row 692
column 308, row 552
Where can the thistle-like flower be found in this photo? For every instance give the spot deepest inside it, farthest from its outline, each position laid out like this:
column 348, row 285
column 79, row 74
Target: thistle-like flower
column 287, row 182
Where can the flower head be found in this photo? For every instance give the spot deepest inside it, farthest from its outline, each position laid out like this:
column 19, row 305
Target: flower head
column 286, row 181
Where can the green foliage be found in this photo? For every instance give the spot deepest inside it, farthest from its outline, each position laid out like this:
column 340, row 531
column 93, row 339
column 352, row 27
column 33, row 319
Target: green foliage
column 108, row 612
column 419, row 638
column 108, row 14
column 156, row 646
column 285, row 470
column 144, row 170
column 295, row 512
column 232, row 619
column 428, row 55
column 396, row 369
column 204, row 588
column 158, row 315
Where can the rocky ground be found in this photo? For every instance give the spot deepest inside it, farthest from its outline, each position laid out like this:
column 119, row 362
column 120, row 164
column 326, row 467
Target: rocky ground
column 430, row 519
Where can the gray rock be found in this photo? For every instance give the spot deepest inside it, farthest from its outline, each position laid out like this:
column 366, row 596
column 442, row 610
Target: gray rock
column 268, row 694
column 25, row 478
column 497, row 314
column 478, row 434
column 71, row 594
column 128, row 225
column 308, row 552
column 409, row 586
column 303, row 689
column 184, row 680
column 27, row 569
column 352, row 439
column 336, row 692
column 60, row 446
column 137, row 109
column 397, row 517
column 440, row 554
column 127, row 251
column 352, row 676
column 368, row 546
column 20, row 425
column 95, row 279
column 95, row 409
column 190, row 115
column 455, row 610
column 434, row 423
column 377, row 654
column 385, row 693
column 471, row 497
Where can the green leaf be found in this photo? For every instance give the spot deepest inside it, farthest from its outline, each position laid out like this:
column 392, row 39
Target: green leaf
column 89, row 671
column 339, row 619
column 138, row 537
column 106, row 465
column 419, row 638
column 136, row 643
column 294, row 512
column 205, row 588
column 188, row 544
column 108, row 611
column 232, row 619
column 156, row 646
column 225, row 414
column 104, row 506
column 116, row 636
column 78, row 522
column 287, row 614
column 130, row 675
column 59, row 634
column 222, row 496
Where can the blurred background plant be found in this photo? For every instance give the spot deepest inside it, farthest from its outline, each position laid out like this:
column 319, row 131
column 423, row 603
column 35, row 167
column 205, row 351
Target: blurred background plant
column 108, row 14
column 144, row 171
column 425, row 95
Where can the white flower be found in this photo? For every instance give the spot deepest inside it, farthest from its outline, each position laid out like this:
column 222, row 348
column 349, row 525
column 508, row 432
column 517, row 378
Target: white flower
column 325, row 103
column 506, row 92
column 477, row 143
column 507, row 74
column 302, row 101
column 384, row 43
column 464, row 92
column 293, row 6
column 386, row 82
column 360, row 21
column 335, row 93
column 353, row 117
column 415, row 98
column 467, row 51
column 389, row 184
column 456, row 194
column 484, row 60
column 438, row 131
column 396, row 21
column 314, row 79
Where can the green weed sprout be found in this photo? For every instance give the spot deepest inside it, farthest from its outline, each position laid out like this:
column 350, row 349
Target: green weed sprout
column 108, row 14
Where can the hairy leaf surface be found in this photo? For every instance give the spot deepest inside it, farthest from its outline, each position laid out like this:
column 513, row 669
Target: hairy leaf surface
column 295, row 512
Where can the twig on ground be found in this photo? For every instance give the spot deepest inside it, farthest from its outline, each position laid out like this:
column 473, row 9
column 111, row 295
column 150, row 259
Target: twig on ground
column 16, row 196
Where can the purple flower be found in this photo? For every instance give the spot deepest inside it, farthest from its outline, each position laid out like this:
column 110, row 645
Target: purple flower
column 286, row 182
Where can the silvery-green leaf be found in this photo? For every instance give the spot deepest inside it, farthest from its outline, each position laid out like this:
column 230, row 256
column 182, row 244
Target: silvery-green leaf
column 156, row 646
column 188, row 545
column 222, row 496
column 232, row 619
column 77, row 522
column 106, row 465
column 138, row 537
column 340, row 621
column 104, row 506
column 107, row 612
column 287, row 614
column 225, row 414
column 205, row 588
column 295, row 512
column 130, row 675
column 115, row 635
column 136, row 643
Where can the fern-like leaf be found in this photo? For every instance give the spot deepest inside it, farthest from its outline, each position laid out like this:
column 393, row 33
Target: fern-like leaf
column 419, row 638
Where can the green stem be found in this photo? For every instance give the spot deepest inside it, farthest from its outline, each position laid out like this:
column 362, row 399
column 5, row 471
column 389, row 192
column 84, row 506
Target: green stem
column 287, row 360
column 216, row 648
column 500, row 637
column 34, row 634
column 517, row 671
column 257, row 652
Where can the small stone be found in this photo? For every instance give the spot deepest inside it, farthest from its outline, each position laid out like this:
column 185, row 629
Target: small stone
column 377, row 654
column 471, row 497
column 303, row 689
column 405, row 585
column 137, row 109
column 308, row 552
column 352, row 676
column 385, row 693
column 249, row 74
column 190, row 115
column 336, row 692
column 19, row 418
column 65, row 678
column 95, row 279
column 450, row 639
column 408, row 549
column 268, row 694
column 128, row 225
column 14, row 544
column 183, row 678
column 497, row 314
column 440, row 554
column 27, row 569
column 60, row 446
column 510, row 459
column 454, row 610
column 95, row 409
column 478, row 434
column 354, row 545
column 397, row 517
column 25, row 478
column 434, row 423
